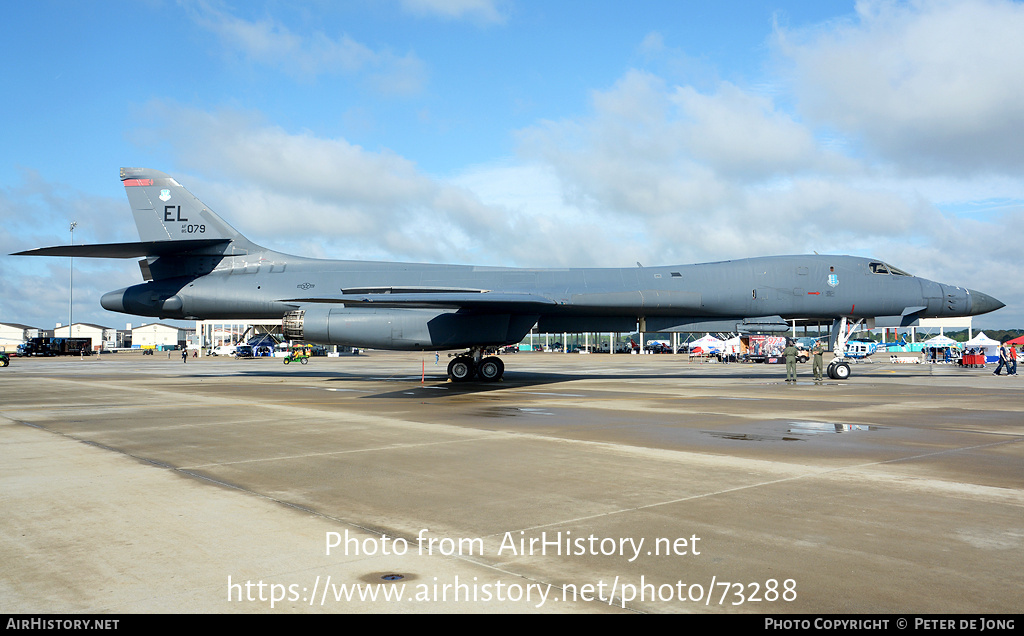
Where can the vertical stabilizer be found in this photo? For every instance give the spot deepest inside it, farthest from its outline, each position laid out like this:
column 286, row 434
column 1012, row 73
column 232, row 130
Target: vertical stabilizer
column 165, row 211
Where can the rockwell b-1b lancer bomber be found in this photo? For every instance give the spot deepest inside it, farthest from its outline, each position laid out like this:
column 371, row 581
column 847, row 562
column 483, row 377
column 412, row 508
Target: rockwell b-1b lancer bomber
column 198, row 267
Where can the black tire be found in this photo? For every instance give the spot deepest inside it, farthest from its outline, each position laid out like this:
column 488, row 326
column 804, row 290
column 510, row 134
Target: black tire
column 491, row 369
column 304, row 360
column 461, row 369
column 839, row 370
column 287, row 360
column 4, row 362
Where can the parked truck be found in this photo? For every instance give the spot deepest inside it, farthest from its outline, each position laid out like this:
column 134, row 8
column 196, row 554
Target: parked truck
column 55, row 347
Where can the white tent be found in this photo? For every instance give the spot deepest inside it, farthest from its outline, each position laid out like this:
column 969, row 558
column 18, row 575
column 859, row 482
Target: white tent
column 733, row 346
column 937, row 349
column 981, row 342
column 707, row 344
column 940, row 342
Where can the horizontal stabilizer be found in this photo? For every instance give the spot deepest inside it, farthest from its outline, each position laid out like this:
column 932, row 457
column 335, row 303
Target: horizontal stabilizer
column 126, row 250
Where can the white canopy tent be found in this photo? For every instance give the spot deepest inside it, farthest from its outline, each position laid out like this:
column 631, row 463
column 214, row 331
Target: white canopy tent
column 981, row 342
column 733, row 346
column 940, row 342
column 941, row 347
column 707, row 344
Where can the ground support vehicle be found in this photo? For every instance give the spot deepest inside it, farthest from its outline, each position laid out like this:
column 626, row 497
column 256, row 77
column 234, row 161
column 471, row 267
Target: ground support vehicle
column 55, row 347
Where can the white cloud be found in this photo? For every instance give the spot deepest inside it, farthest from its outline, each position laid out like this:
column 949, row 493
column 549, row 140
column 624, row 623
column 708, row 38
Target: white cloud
column 930, row 85
column 653, row 44
column 295, row 185
column 738, row 133
column 665, row 173
column 270, row 43
column 690, row 176
column 37, row 212
column 650, row 150
column 484, row 11
column 654, row 171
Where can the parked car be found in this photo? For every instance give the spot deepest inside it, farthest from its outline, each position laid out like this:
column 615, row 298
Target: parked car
column 658, row 347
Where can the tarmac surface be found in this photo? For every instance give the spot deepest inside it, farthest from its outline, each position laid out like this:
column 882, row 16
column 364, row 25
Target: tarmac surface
column 580, row 483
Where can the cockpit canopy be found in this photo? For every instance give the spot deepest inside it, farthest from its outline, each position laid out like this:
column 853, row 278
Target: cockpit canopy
column 882, row 268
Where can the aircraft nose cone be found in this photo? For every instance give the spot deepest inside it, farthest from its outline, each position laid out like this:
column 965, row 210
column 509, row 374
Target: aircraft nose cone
column 983, row 303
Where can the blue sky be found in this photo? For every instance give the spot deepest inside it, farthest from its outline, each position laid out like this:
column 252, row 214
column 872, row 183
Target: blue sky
column 507, row 132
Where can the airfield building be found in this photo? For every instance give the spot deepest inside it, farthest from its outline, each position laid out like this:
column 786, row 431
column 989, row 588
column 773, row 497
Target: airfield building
column 97, row 334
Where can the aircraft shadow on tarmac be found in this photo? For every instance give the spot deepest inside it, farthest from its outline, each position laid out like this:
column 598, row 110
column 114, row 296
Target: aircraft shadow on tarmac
column 436, row 385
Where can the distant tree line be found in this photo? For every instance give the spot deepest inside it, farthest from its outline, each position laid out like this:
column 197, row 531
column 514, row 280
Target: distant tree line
column 1001, row 335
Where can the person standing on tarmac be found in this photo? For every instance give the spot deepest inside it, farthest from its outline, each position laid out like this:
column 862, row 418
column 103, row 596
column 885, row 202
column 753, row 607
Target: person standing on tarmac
column 790, row 353
column 819, row 352
column 1003, row 361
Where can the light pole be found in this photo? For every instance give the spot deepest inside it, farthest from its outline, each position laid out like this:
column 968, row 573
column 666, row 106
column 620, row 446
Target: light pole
column 71, row 282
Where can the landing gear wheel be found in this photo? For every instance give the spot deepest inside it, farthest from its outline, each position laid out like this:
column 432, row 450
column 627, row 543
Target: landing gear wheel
column 839, row 371
column 491, row 369
column 461, row 369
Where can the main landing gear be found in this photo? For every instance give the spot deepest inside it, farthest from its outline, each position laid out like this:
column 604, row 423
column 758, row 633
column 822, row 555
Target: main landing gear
column 466, row 366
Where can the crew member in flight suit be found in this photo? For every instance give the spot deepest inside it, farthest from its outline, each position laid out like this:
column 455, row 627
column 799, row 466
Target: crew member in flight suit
column 818, row 351
column 790, row 353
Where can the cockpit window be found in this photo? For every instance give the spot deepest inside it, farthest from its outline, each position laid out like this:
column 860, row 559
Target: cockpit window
column 882, row 268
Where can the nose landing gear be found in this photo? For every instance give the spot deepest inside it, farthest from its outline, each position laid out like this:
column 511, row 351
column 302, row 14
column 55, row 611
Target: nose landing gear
column 839, row 370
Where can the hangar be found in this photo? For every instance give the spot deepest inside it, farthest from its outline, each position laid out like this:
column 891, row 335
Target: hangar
column 158, row 335
column 98, row 334
column 13, row 334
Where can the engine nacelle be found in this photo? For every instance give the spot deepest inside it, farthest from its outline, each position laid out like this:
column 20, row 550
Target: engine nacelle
column 403, row 329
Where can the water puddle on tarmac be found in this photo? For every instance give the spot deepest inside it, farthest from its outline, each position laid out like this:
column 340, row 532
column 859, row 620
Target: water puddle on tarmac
column 792, row 431
column 511, row 411
column 816, row 428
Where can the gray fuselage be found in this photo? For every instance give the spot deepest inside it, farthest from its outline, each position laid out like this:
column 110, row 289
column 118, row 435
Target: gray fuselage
column 711, row 296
